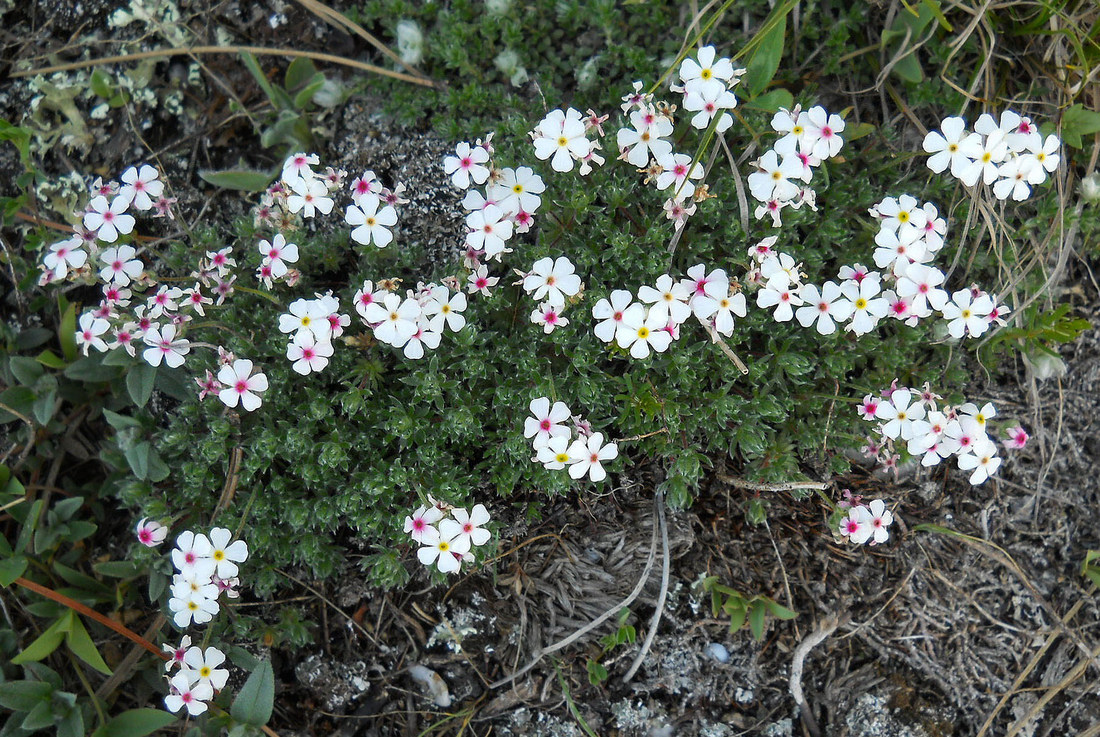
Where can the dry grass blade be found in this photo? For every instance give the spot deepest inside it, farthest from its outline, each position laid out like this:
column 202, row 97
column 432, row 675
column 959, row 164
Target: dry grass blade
column 339, row 20
column 258, row 50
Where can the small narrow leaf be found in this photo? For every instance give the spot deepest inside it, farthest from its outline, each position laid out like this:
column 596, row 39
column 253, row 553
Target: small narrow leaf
column 756, row 620
column 46, row 643
column 245, row 180
column 139, row 383
column 136, row 723
column 80, row 642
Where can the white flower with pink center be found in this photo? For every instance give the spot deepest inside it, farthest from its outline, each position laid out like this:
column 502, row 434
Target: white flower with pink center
column 176, row 654
column 298, row 166
column 120, row 265
column 65, row 254
column 420, row 525
column 310, row 195
column 89, row 331
column 241, row 385
column 472, row 523
column 610, row 313
column 826, row 129
column 366, row 295
column 489, row 230
column 164, row 346
column 164, row 301
column 366, row 184
column 308, row 354
column 857, row 525
column 545, row 422
column 467, row 164
column 705, row 289
column 678, row 173
column 150, row 533
column 447, row 550
column 108, row 219
column 277, row 254
column 480, row 282
column 191, row 556
column 1017, row 438
column 141, row 187
column 184, row 695
column 552, row 280
column 549, row 317
column 586, row 456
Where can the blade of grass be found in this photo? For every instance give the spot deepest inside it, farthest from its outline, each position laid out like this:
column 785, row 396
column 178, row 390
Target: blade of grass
column 258, row 50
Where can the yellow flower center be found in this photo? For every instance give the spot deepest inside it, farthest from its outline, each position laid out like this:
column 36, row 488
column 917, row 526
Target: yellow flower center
column 706, row 74
column 979, row 418
column 517, row 188
column 204, row 672
column 563, row 141
column 371, row 222
column 444, row 546
column 445, row 309
column 903, row 217
column 966, row 314
column 953, row 147
column 562, row 458
column 192, row 605
column 777, row 175
column 1041, row 157
column 305, row 321
column 219, row 555
column 797, row 130
column 643, row 332
column 901, row 415
column 861, row 304
column 986, row 157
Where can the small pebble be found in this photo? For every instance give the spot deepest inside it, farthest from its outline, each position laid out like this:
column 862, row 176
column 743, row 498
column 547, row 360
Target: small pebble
column 717, row 651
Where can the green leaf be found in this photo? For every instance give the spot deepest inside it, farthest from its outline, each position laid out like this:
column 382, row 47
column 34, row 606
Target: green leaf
column 1077, row 121
column 1093, row 575
column 11, row 569
column 256, row 699
column 119, row 422
column 25, row 369
column 136, row 723
column 300, row 73
column 52, row 360
column 911, row 23
column 139, row 383
column 21, row 137
column 137, row 456
column 778, row 610
column 245, row 180
column 72, row 725
column 117, row 568
column 66, row 332
column 24, row 695
column 19, row 398
column 80, row 642
column 91, row 369
column 764, row 60
column 29, row 522
column 756, row 620
column 46, row 643
column 597, row 673
column 772, row 100
column 40, row 716
column 737, row 618
column 305, row 95
column 101, row 84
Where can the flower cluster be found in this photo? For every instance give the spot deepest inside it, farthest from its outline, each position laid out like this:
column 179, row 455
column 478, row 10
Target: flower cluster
column 552, row 281
column 447, row 534
column 507, row 205
column 782, row 173
column 312, row 325
column 199, row 678
column 555, row 447
column 135, row 313
column 915, row 419
column 865, row 523
column 1010, row 154
column 205, row 567
column 413, row 322
column 652, row 323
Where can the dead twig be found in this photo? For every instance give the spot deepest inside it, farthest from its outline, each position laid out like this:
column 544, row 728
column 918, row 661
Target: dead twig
column 825, row 627
column 660, row 606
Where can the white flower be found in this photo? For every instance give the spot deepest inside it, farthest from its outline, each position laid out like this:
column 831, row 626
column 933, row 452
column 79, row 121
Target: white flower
column 489, row 230
column 164, row 346
column 773, row 180
column 549, row 316
column 88, row 332
column 555, row 454
column 641, row 332
column 857, row 525
column 308, row 354
column 586, row 456
column 150, row 533
column 955, row 147
column 183, row 694
column 414, row 347
column 552, row 280
column 669, row 300
column 993, row 150
column 471, row 523
column 468, row 164
column 419, row 525
column 728, row 306
column 108, row 219
column 1016, row 177
column 826, row 129
column 921, row 284
column 898, row 250
column 443, row 309
column 518, row 190
column 646, row 138
column 967, row 315
column 561, row 135
column 373, row 223
column 899, row 413
column 277, row 254
column 307, row 315
column 140, row 187
column 65, row 254
column 707, row 102
column 394, row 319
column 880, row 519
column 677, row 172
column 120, row 265
column 901, row 214
column 201, row 667
column 446, row 552
column 297, row 166
column 782, row 297
column 982, row 460
column 480, row 282
column 226, row 554
column 610, row 312
column 241, row 385
column 310, row 195
column 824, row 307
column 867, row 307
column 706, row 70
column 545, row 422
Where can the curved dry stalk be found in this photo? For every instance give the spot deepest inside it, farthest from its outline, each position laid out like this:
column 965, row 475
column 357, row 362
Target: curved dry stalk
column 258, row 50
